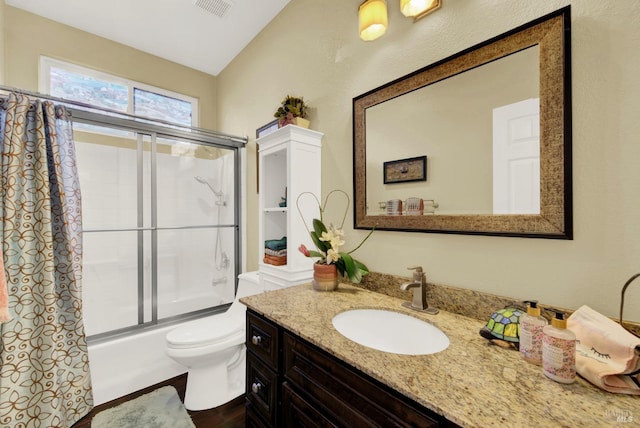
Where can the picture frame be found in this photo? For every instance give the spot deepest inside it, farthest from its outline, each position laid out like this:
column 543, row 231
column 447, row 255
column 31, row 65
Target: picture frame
column 405, row 170
column 261, row 132
column 267, row 129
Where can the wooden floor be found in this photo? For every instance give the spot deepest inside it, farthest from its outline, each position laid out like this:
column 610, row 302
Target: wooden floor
column 230, row 415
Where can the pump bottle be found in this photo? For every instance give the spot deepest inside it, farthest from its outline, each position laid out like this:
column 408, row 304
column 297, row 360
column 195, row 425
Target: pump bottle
column 559, row 350
column 531, row 326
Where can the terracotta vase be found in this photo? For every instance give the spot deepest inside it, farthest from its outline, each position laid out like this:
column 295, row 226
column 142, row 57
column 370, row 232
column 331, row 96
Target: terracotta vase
column 325, row 277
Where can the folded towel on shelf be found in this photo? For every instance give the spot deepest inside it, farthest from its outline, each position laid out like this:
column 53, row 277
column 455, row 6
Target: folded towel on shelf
column 276, row 244
column 4, row 296
column 275, row 260
column 279, row 253
column 607, row 355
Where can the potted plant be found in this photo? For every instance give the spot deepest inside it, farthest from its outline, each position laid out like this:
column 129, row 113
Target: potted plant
column 329, row 242
column 292, row 111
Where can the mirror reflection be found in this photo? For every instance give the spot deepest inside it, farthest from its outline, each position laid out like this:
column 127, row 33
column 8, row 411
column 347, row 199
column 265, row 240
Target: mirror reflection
column 480, row 133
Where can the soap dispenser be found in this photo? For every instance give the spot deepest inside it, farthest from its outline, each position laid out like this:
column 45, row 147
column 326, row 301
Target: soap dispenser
column 559, row 350
column 531, row 326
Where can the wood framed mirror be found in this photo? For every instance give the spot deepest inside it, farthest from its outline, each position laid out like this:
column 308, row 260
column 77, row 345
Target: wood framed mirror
column 452, row 113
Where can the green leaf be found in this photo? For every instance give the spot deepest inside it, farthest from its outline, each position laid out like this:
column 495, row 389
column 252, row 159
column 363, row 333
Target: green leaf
column 340, row 266
column 361, row 267
column 313, row 253
column 317, row 242
column 318, row 226
column 351, row 268
column 318, row 229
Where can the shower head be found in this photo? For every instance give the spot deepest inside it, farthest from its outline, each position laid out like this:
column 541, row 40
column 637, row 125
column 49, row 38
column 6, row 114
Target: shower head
column 204, row 181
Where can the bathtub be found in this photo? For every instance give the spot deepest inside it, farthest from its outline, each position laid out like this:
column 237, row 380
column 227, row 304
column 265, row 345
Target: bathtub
column 124, row 365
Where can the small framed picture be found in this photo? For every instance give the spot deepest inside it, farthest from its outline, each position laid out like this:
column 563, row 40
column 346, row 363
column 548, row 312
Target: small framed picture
column 405, row 170
column 267, row 129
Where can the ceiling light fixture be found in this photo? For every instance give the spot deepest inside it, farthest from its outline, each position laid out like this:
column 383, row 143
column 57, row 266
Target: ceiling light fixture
column 417, row 9
column 372, row 19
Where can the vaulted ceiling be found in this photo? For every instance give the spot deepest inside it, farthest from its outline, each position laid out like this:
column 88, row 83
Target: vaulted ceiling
column 202, row 34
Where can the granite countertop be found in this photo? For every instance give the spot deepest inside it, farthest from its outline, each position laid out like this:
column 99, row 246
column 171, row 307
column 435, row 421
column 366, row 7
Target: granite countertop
column 471, row 383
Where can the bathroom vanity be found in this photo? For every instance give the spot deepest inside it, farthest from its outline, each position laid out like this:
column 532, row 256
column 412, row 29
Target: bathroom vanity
column 302, row 372
column 294, row 383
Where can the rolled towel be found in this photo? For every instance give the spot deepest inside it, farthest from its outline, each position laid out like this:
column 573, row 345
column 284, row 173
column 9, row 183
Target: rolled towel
column 607, row 355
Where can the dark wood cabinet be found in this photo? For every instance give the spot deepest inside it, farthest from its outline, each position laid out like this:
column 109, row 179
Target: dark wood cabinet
column 263, row 380
column 299, row 413
column 262, row 389
column 343, row 395
column 297, row 384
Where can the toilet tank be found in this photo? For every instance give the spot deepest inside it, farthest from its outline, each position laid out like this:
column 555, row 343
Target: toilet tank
column 249, row 284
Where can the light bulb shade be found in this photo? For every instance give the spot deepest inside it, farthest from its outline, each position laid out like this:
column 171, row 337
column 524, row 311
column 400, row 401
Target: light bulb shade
column 372, row 19
column 419, row 8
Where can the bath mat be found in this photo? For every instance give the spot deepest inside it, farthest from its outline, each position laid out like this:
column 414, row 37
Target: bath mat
column 161, row 408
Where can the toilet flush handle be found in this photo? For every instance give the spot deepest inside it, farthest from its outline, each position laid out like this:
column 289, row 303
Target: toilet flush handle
column 256, row 340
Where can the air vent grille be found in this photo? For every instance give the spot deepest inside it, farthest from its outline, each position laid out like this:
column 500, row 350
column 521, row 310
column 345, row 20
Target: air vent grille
column 218, row 8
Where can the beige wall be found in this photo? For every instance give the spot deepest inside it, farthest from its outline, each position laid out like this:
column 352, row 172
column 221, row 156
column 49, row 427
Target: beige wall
column 27, row 36
column 312, row 49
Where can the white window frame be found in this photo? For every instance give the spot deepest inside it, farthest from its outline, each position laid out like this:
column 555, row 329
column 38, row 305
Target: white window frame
column 44, row 80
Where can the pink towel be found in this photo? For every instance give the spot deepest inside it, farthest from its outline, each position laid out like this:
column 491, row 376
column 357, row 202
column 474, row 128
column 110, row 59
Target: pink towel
column 607, row 355
column 4, row 298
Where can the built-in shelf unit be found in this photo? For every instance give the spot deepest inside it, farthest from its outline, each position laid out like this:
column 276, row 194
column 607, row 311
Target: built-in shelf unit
column 289, row 165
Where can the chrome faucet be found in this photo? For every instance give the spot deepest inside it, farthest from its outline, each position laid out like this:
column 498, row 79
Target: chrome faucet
column 419, row 286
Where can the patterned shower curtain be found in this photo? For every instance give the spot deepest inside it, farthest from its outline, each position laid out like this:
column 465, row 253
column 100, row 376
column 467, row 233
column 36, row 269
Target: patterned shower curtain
column 44, row 376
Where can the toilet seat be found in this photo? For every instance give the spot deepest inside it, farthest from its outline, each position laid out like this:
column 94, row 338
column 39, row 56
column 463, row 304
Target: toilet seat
column 198, row 334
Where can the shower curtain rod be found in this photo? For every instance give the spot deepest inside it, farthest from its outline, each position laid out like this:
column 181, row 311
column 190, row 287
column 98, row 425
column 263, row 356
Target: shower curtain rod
column 81, row 105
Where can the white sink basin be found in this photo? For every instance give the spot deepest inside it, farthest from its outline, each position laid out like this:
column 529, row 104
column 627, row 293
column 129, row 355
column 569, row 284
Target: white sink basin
column 390, row 331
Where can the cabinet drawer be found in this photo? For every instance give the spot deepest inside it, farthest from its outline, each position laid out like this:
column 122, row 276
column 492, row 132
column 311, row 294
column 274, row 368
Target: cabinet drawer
column 296, row 412
column 262, row 388
column 262, row 339
column 252, row 419
column 345, row 396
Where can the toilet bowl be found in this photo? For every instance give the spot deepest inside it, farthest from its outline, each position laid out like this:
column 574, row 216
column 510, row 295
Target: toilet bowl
column 213, row 350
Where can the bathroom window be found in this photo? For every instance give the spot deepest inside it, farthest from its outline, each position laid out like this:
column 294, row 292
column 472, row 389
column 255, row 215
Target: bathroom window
column 72, row 82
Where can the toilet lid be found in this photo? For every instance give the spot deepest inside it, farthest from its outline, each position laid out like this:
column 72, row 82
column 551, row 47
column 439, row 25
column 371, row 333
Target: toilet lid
column 204, row 332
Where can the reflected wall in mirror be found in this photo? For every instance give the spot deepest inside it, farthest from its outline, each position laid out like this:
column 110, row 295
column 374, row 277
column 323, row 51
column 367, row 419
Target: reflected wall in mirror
column 494, row 122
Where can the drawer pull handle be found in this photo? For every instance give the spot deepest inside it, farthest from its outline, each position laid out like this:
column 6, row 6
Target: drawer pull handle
column 256, row 340
column 256, row 387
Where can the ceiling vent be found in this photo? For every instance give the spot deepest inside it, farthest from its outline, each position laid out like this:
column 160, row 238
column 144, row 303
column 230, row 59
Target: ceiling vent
column 219, row 8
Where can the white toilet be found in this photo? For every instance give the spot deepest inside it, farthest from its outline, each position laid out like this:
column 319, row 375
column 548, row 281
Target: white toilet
column 213, row 349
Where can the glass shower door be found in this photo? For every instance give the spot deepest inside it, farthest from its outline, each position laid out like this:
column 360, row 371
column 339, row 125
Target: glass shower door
column 160, row 232
column 195, row 226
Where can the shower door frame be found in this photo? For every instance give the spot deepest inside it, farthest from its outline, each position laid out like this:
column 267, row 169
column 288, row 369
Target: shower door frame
column 154, row 129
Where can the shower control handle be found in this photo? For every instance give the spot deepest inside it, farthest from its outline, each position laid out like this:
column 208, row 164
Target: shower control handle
column 256, row 340
column 256, row 387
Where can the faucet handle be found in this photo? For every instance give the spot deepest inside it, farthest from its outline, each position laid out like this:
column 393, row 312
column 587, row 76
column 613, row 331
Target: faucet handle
column 418, row 275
